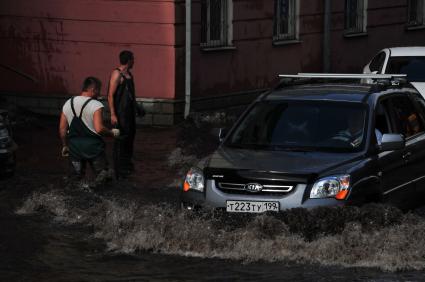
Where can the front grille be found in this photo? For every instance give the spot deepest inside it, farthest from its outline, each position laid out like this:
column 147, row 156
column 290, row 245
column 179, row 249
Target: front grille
column 239, row 188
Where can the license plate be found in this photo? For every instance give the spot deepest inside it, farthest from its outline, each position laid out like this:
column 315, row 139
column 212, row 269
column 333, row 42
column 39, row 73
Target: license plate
column 251, row 206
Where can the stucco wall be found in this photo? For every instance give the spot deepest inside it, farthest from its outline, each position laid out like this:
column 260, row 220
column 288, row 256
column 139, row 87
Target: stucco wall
column 59, row 42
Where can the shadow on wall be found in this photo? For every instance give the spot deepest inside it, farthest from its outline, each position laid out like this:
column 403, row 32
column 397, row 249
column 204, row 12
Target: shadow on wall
column 27, row 64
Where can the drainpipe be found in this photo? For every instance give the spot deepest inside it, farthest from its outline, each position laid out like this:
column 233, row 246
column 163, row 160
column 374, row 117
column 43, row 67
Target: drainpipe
column 187, row 57
column 327, row 14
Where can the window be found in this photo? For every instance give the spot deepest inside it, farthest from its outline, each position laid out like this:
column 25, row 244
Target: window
column 377, row 63
column 407, row 119
column 355, row 16
column 382, row 121
column 413, row 66
column 419, row 100
column 216, row 23
column 285, row 20
column 415, row 15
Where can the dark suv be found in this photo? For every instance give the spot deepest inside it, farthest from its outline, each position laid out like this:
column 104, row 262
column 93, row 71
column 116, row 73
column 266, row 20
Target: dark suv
column 318, row 140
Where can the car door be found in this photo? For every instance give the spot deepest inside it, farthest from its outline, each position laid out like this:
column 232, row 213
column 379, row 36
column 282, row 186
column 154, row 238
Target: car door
column 401, row 168
column 391, row 163
column 417, row 144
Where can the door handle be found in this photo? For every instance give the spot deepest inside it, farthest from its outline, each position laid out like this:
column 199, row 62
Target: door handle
column 406, row 156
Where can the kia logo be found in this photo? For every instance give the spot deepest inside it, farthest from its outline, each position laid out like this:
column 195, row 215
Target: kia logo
column 253, row 187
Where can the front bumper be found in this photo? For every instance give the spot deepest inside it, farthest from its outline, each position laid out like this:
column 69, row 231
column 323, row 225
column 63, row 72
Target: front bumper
column 215, row 198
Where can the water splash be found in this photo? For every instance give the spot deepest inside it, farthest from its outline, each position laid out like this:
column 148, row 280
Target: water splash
column 374, row 236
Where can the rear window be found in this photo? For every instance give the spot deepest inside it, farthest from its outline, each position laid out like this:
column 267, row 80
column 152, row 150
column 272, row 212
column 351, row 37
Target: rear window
column 414, row 67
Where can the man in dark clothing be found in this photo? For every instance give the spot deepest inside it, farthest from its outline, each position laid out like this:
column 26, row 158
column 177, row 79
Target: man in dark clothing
column 81, row 127
column 123, row 107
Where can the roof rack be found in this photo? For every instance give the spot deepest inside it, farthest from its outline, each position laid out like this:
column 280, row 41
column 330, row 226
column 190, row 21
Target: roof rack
column 345, row 76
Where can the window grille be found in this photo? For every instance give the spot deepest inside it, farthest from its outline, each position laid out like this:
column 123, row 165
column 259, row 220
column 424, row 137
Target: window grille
column 215, row 23
column 355, row 16
column 285, row 20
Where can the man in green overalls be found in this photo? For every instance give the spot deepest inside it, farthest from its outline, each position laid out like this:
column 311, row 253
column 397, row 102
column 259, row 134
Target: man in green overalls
column 81, row 129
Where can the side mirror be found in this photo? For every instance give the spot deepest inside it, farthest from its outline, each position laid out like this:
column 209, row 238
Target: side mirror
column 391, row 142
column 222, row 134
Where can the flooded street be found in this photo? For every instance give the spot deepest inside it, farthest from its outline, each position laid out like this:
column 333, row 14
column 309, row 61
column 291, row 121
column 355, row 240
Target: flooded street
column 134, row 230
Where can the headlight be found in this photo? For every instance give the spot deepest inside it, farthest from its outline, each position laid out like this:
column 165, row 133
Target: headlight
column 332, row 186
column 194, row 180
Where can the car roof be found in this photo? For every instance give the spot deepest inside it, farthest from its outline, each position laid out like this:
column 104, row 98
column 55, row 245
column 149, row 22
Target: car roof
column 407, row 51
column 322, row 92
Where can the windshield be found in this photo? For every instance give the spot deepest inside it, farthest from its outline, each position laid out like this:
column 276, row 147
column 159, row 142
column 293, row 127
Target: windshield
column 414, row 67
column 301, row 126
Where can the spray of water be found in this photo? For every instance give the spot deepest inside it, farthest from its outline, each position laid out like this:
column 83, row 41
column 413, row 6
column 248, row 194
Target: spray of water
column 374, row 236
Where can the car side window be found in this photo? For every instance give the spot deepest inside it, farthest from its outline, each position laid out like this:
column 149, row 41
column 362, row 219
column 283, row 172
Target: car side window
column 420, row 103
column 377, row 62
column 382, row 120
column 406, row 118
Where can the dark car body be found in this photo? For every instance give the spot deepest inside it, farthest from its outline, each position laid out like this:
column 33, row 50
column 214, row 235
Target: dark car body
column 8, row 146
column 386, row 163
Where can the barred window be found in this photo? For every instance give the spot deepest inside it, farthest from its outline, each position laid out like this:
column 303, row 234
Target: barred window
column 285, row 20
column 415, row 15
column 216, row 23
column 355, row 16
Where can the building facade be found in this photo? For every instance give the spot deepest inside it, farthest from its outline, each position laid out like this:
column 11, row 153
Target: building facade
column 238, row 46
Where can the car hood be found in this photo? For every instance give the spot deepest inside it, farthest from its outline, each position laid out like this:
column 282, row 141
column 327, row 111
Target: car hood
column 280, row 161
column 420, row 86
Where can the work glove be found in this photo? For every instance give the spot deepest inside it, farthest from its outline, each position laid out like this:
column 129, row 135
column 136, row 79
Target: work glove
column 115, row 132
column 65, row 151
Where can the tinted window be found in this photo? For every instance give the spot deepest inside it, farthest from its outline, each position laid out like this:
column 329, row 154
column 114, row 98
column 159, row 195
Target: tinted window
column 406, row 118
column 414, row 67
column 382, row 120
column 377, row 62
column 295, row 125
column 420, row 102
